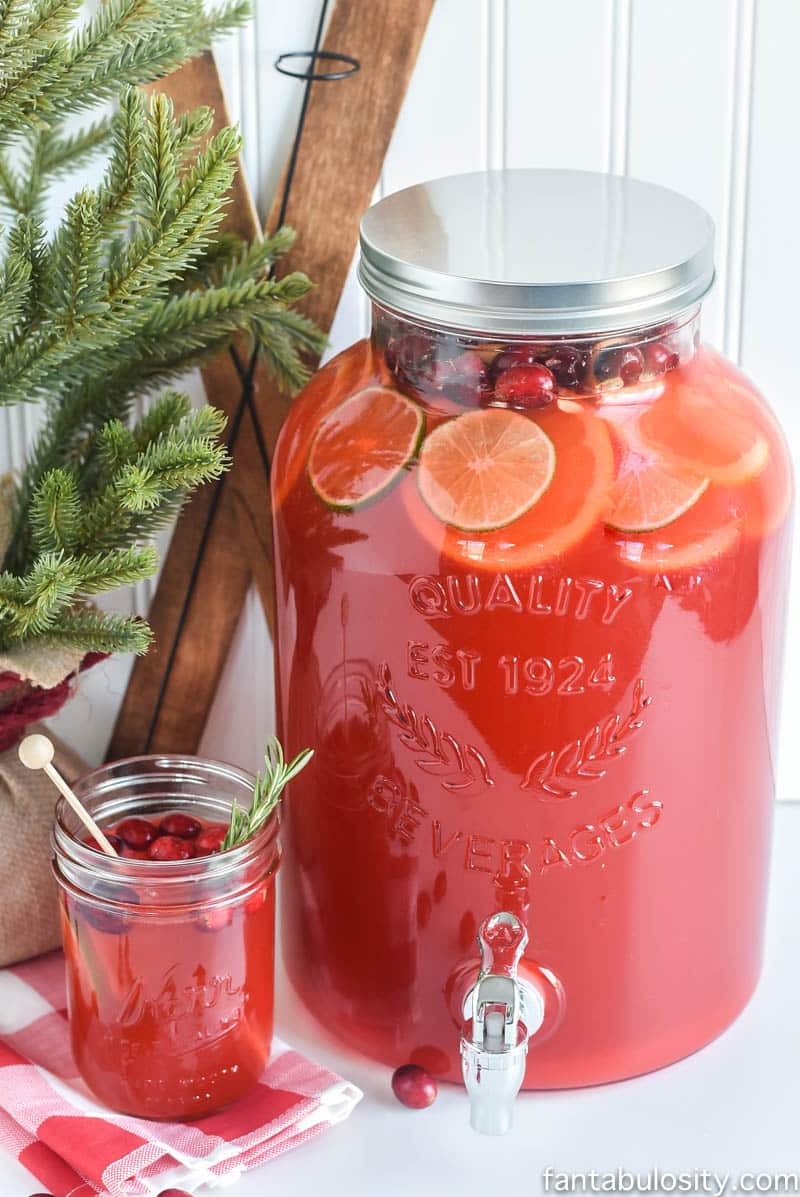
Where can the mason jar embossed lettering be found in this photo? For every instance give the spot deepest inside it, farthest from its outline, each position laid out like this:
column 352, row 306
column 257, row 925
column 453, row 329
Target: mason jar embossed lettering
column 169, row 955
column 531, row 543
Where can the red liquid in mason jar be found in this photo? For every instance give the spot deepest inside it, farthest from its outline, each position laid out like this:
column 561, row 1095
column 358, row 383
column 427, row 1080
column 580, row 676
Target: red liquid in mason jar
column 171, row 1011
column 554, row 717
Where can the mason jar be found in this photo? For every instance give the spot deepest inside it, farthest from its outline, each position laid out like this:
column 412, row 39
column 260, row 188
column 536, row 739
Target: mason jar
column 531, row 543
column 170, row 963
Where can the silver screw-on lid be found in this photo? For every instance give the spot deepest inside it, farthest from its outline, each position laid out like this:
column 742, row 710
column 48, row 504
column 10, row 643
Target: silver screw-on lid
column 537, row 251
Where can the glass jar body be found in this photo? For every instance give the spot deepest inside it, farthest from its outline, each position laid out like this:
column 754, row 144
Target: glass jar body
column 569, row 713
column 170, row 964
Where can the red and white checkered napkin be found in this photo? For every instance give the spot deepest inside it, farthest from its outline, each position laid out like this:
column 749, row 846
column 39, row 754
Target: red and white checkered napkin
column 76, row 1148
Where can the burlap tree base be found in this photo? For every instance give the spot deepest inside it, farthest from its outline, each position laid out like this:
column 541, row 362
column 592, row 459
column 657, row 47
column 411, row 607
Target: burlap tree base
column 28, row 907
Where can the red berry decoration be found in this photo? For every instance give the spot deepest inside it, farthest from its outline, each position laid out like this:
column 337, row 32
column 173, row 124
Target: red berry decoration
column 174, row 1193
column 183, row 826
column 169, row 847
column 414, row 1087
column 526, row 387
column 658, row 359
column 137, row 833
column 210, row 839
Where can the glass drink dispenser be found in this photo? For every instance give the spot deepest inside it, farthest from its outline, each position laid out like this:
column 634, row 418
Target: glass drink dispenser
column 531, row 545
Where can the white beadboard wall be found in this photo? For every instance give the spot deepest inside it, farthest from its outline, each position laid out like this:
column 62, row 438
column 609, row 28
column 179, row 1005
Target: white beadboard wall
column 694, row 95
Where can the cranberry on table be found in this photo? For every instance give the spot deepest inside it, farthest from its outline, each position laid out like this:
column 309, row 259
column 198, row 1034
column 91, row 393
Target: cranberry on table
column 414, row 1087
column 658, row 358
column 525, row 387
column 183, row 826
column 137, row 833
column 169, row 847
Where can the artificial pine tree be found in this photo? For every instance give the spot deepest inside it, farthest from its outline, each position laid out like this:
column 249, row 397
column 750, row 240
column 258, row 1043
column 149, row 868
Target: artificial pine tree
column 134, row 285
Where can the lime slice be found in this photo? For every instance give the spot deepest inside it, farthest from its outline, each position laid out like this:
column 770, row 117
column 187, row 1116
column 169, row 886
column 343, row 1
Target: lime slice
column 483, row 470
column 651, row 493
column 362, row 447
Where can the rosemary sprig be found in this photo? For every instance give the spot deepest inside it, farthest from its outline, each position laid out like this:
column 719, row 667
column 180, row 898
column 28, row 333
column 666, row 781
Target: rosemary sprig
column 266, row 794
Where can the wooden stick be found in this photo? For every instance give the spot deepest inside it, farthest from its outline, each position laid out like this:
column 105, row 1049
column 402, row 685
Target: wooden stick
column 36, row 752
column 348, row 127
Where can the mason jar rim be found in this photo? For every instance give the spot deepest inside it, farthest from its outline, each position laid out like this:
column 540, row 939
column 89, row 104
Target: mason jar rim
column 102, row 782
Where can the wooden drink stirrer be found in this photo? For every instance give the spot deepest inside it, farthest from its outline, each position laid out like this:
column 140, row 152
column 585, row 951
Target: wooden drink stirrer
column 36, row 752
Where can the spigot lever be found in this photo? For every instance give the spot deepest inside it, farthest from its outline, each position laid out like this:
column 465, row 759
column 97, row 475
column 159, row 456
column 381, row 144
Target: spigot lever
column 494, row 1041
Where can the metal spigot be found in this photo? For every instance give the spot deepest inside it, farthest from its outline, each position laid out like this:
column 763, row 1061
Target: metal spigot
column 501, row 1013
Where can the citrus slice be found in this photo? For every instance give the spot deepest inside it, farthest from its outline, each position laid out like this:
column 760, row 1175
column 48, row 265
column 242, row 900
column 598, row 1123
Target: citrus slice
column 571, row 506
column 706, row 531
column 362, row 447
column 694, row 424
column 651, row 493
column 485, row 469
column 350, row 371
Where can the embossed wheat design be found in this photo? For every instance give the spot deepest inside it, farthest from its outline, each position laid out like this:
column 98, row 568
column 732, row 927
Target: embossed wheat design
column 554, row 773
column 458, row 766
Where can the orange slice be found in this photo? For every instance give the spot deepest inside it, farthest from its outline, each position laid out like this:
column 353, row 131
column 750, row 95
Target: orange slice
column 485, row 469
column 362, row 447
column 650, row 492
column 567, row 510
column 695, row 425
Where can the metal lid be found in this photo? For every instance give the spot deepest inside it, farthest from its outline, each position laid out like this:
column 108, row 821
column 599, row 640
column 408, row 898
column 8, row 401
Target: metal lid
column 537, row 251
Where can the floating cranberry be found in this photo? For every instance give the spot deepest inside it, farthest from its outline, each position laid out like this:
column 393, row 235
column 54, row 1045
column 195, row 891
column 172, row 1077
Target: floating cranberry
column 658, row 358
column 169, row 847
column 525, row 387
column 410, row 358
column 210, row 839
column 137, row 833
column 463, row 378
column 625, row 362
column 217, row 919
column 516, row 355
column 112, row 921
column 565, row 363
column 174, row 1193
column 184, row 826
column 114, row 840
column 414, row 1087
column 133, row 853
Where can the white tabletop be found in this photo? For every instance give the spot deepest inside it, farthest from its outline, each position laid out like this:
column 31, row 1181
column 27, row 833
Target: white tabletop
column 731, row 1109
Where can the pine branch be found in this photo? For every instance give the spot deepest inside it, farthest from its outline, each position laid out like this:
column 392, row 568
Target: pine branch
column 94, row 632
column 135, row 285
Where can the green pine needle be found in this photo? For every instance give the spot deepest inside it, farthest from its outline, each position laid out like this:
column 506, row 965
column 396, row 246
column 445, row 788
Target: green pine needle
column 269, row 786
column 135, row 285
